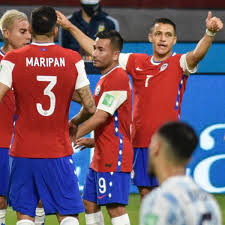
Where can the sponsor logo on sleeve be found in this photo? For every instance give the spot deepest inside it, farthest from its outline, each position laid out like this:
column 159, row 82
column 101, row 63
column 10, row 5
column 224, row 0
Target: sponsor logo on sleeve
column 150, row 219
column 108, row 100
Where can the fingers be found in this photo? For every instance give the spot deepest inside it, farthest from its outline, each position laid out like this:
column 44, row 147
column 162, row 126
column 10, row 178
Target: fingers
column 214, row 24
column 209, row 15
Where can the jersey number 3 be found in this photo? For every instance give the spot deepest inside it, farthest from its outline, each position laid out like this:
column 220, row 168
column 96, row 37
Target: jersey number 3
column 49, row 93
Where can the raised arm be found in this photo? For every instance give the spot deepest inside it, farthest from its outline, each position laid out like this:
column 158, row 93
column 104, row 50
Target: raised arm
column 213, row 25
column 84, row 41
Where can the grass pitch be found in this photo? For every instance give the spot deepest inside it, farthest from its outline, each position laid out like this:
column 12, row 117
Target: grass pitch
column 132, row 209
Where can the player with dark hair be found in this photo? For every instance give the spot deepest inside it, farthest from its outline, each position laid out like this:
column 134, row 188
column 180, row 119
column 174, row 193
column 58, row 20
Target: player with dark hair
column 108, row 178
column 178, row 200
column 159, row 83
column 44, row 77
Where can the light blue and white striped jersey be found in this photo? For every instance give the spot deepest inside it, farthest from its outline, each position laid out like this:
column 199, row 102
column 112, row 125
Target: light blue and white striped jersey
column 179, row 201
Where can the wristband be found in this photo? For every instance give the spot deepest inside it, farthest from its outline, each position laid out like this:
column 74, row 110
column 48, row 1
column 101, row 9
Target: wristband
column 210, row 33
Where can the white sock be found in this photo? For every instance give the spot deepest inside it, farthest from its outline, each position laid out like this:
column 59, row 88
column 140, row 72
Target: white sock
column 69, row 220
column 39, row 216
column 121, row 220
column 25, row 222
column 2, row 216
column 94, row 218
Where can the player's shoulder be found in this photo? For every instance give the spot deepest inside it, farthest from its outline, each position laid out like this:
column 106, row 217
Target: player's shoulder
column 13, row 54
column 73, row 55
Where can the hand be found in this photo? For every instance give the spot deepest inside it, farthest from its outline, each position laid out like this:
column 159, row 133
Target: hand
column 83, row 143
column 72, row 131
column 63, row 21
column 213, row 24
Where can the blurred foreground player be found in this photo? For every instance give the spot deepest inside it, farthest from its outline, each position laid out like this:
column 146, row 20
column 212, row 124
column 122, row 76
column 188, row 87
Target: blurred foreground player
column 178, row 200
column 44, row 77
column 14, row 26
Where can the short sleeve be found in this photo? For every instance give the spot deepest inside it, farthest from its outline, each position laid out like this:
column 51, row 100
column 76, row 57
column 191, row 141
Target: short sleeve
column 123, row 60
column 6, row 68
column 110, row 101
column 82, row 79
column 184, row 66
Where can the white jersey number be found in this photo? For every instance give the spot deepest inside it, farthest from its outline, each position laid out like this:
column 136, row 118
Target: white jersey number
column 48, row 92
column 147, row 79
column 102, row 185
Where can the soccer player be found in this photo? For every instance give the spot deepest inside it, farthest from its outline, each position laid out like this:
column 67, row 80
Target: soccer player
column 178, row 200
column 14, row 26
column 158, row 81
column 108, row 178
column 44, row 77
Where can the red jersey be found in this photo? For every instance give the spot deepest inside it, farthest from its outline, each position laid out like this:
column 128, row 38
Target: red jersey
column 113, row 150
column 7, row 110
column 44, row 77
column 158, row 92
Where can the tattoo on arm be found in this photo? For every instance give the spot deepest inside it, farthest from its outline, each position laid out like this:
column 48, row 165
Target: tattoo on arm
column 87, row 99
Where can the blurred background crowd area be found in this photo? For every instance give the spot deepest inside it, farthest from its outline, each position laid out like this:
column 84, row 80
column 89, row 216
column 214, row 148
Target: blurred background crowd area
column 135, row 16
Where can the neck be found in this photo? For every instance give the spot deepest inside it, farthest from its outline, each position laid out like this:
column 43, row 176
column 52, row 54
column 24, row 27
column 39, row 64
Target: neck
column 6, row 48
column 159, row 58
column 85, row 16
column 169, row 171
column 43, row 39
column 107, row 69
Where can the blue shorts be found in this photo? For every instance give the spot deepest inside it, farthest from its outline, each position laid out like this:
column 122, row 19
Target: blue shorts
column 52, row 181
column 4, row 171
column 139, row 175
column 106, row 188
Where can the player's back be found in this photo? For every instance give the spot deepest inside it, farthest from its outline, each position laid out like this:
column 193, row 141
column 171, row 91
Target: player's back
column 44, row 78
column 179, row 201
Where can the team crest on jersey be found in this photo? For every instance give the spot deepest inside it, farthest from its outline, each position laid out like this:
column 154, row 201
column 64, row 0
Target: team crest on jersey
column 97, row 90
column 164, row 66
column 101, row 27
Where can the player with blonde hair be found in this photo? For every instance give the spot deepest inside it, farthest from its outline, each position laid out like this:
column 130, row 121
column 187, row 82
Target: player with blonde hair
column 14, row 26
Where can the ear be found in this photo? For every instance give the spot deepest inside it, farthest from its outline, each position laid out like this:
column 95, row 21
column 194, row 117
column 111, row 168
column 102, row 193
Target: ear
column 5, row 33
column 150, row 37
column 175, row 40
column 56, row 31
column 116, row 55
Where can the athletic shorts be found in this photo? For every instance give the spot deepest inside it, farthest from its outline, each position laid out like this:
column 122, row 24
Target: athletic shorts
column 139, row 175
column 4, row 171
column 53, row 181
column 106, row 188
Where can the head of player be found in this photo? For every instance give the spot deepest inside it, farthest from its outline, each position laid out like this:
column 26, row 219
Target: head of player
column 162, row 36
column 43, row 24
column 14, row 26
column 171, row 149
column 107, row 47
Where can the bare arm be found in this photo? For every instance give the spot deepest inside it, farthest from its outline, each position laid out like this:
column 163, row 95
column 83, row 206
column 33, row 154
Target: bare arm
column 96, row 120
column 84, row 41
column 213, row 25
column 84, row 94
column 3, row 90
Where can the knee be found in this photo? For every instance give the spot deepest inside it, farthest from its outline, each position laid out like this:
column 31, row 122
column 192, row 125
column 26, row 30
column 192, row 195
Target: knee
column 3, row 203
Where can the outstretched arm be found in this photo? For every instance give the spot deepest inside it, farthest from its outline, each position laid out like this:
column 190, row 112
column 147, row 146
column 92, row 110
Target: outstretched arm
column 213, row 25
column 84, row 41
column 92, row 123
